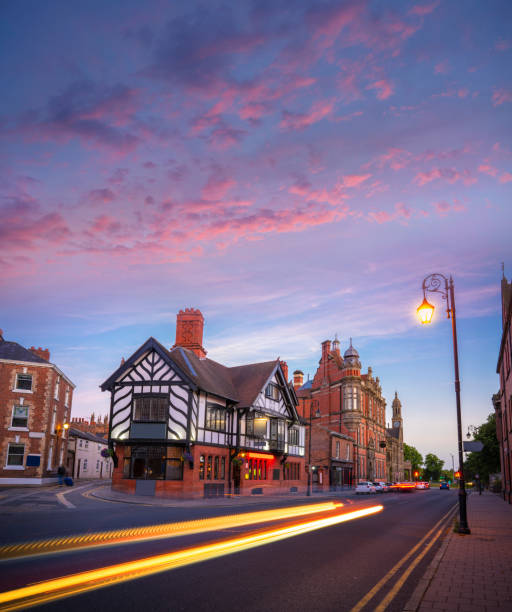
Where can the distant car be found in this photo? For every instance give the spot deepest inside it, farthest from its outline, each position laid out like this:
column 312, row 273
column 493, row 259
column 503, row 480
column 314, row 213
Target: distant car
column 381, row 487
column 421, row 485
column 365, row 487
column 444, row 485
column 406, row 487
column 392, row 486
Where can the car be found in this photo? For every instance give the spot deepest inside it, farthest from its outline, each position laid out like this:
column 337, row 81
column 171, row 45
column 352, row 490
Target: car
column 365, row 487
column 381, row 487
column 444, row 485
column 392, row 486
column 406, row 487
column 422, row 485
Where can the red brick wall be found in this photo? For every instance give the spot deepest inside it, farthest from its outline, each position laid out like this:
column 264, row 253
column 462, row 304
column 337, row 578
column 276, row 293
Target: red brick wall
column 41, row 403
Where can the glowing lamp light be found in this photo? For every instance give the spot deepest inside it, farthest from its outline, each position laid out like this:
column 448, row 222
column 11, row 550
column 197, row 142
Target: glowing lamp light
column 66, row 425
column 425, row 311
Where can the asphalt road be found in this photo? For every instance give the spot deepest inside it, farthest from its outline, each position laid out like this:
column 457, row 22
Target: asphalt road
column 328, row 569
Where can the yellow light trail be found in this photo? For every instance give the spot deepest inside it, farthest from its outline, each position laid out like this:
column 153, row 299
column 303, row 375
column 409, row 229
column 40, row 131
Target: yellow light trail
column 65, row 586
column 156, row 532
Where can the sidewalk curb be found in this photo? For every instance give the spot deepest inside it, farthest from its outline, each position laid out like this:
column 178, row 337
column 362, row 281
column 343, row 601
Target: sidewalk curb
column 424, row 582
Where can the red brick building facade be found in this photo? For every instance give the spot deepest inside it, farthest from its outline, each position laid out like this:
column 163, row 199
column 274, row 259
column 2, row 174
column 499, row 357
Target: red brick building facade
column 35, row 406
column 347, row 410
column 183, row 425
column 503, row 399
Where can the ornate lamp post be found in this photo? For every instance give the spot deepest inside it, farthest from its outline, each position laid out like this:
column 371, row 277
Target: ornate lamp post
column 434, row 283
column 311, row 417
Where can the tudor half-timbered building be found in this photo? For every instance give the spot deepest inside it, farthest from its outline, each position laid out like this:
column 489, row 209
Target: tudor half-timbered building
column 183, row 425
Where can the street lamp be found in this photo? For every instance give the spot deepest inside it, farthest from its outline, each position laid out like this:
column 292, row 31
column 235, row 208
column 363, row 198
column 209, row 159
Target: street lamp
column 311, row 417
column 434, row 283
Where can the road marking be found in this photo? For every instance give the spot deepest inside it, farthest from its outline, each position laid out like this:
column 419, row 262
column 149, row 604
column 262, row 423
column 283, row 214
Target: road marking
column 160, row 531
column 64, row 501
column 56, row 588
column 371, row 594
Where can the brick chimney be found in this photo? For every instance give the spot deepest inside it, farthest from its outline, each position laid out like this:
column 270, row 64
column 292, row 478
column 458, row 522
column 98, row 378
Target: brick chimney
column 284, row 367
column 298, row 379
column 43, row 353
column 189, row 331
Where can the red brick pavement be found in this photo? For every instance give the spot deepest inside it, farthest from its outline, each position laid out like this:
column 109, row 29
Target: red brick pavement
column 475, row 571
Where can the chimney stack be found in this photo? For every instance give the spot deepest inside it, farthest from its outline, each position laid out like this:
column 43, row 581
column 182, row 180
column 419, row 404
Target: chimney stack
column 43, row 353
column 189, row 331
column 298, row 379
column 284, row 367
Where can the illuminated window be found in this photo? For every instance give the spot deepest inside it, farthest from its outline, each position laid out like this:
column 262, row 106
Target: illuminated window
column 24, row 382
column 201, row 467
column 209, row 468
column 215, row 417
column 222, row 468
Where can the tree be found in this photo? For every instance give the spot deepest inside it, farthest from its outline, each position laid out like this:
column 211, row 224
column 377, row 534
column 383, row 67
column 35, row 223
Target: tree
column 412, row 455
column 487, row 461
column 433, row 467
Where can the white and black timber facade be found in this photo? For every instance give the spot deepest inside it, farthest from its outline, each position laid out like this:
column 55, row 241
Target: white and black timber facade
column 183, row 425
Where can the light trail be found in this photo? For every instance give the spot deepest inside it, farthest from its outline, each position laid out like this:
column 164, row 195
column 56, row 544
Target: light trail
column 66, row 586
column 157, row 532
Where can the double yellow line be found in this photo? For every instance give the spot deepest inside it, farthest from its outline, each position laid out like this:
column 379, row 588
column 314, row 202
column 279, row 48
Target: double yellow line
column 435, row 532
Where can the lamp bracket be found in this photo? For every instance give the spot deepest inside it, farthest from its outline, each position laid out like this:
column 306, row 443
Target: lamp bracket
column 434, row 284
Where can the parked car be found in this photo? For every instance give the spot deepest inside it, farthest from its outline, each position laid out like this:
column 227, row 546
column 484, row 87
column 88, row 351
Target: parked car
column 444, row 485
column 365, row 487
column 422, row 485
column 381, row 487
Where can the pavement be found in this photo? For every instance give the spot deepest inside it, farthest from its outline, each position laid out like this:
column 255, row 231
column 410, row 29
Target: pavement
column 471, row 573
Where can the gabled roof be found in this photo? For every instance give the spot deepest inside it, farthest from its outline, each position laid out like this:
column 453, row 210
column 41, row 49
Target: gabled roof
column 207, row 374
column 15, row 352
column 77, row 433
column 250, row 380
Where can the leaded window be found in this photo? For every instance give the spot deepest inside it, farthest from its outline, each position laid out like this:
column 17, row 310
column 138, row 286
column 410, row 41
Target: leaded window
column 293, row 436
column 215, row 417
column 150, row 408
column 272, row 391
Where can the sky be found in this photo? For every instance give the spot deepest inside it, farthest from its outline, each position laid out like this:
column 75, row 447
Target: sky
column 292, row 169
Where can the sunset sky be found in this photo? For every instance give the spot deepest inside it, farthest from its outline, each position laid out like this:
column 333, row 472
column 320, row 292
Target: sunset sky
column 292, row 169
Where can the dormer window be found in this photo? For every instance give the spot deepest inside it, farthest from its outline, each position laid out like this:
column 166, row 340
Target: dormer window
column 272, row 392
column 24, row 382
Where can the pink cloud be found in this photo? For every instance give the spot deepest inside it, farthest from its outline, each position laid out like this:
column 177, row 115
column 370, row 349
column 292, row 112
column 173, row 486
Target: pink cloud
column 503, row 45
column 450, row 174
column 403, row 210
column 380, row 216
column 423, row 9
column 500, row 96
column 442, row 208
column 216, row 188
column 354, row 180
column 487, row 169
column 384, row 89
column 506, row 177
column 442, row 67
column 298, row 121
column 102, row 196
column 105, row 224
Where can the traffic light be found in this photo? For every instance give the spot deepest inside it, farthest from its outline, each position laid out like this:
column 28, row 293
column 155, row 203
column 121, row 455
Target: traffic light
column 416, row 474
column 457, row 474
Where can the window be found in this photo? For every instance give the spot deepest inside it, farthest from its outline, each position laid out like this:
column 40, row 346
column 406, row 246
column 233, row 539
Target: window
column 19, row 416
column 24, row 382
column 337, row 449
column 209, row 468
column 348, row 452
column 66, row 397
column 249, row 425
column 216, row 468
column 215, row 417
column 15, row 454
column 97, row 465
column 57, row 388
column 87, row 444
column 201, row 467
column 151, row 408
column 257, row 469
column 54, row 419
column 293, row 437
column 350, row 398
column 85, row 465
column 80, row 443
column 222, row 468
column 291, row 471
column 272, row 391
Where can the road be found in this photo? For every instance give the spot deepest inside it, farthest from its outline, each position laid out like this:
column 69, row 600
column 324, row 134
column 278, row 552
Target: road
column 330, row 568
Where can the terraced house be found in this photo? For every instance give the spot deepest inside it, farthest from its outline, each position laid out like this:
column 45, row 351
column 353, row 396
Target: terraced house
column 183, row 425
column 35, row 408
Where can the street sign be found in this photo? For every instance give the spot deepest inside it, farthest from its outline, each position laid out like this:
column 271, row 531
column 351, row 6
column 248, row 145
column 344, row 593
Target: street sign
column 474, row 446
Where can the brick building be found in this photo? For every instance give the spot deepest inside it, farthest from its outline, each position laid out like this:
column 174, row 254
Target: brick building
column 96, row 426
column 503, row 399
column 348, row 414
column 35, row 407
column 183, row 425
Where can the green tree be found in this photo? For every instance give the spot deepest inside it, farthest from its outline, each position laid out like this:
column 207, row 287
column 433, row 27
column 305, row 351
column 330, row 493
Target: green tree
column 433, row 467
column 412, row 455
column 487, row 461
